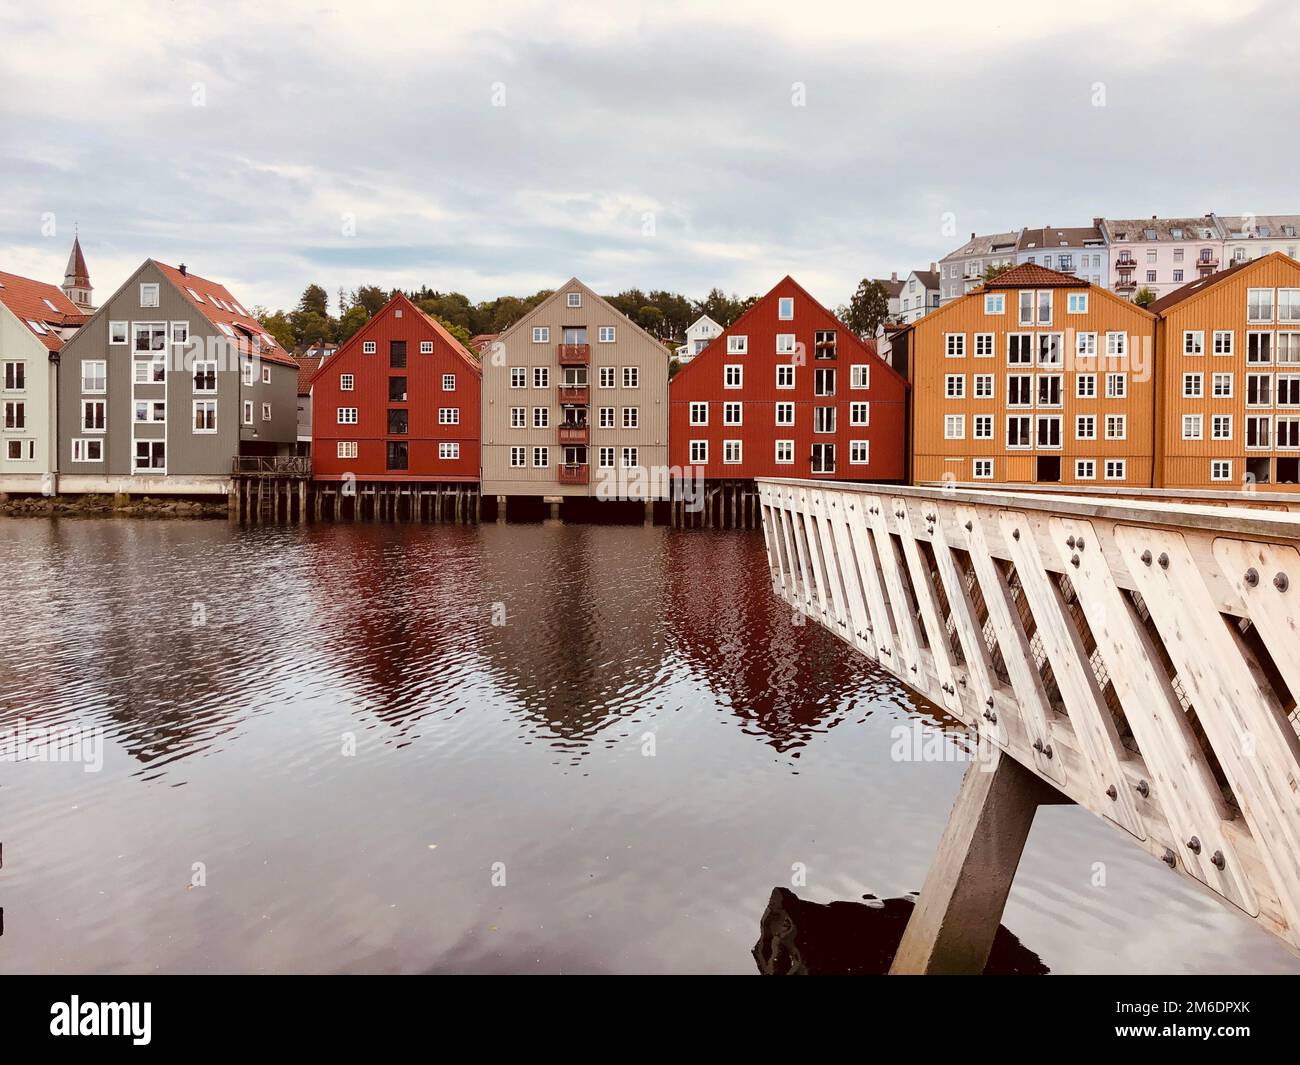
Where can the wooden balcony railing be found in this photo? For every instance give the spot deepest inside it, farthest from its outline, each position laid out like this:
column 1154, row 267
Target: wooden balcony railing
column 575, row 354
column 272, row 465
column 573, row 434
column 573, row 394
column 575, row 474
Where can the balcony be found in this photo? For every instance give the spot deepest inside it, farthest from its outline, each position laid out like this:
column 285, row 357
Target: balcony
column 575, row 354
column 1126, row 264
column 576, row 474
column 574, row 394
column 1208, row 262
column 573, row 434
column 1125, row 284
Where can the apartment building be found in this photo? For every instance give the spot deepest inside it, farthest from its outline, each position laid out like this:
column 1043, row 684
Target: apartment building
column 962, row 270
column 166, row 384
column 894, row 292
column 399, row 402
column 1080, row 251
column 1229, row 403
column 1251, row 236
column 919, row 295
column 575, row 404
column 1038, row 377
column 36, row 320
column 1161, row 254
column 699, row 335
column 789, row 391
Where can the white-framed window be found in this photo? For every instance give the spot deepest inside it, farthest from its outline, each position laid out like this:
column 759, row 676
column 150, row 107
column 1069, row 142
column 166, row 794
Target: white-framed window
column 699, row 413
column 1116, row 345
column 983, row 345
column 859, row 375
column 954, row 427
column 631, row 377
column 151, row 455
column 449, row 449
column 737, row 344
column 149, row 294
column 1116, row 469
column 1221, row 470
column 266, row 412
column 785, row 375
column 94, row 376
column 785, row 413
column 1259, row 349
column 451, row 415
column 346, row 415
column 1085, row 386
column 731, row 452
column 1085, row 345
column 1085, row 427
column 1192, row 427
column 247, row 413
column 573, row 299
column 1221, row 385
column 982, row 427
column 995, row 303
column 605, row 458
column 180, row 333
column 699, row 452
column 1221, row 427
column 1085, row 469
column 266, row 375
column 859, row 450
column 541, row 334
column 1045, row 306
column 1050, row 390
column 1020, row 349
column 15, row 379
column 785, row 308
column 541, row 417
column 1288, row 304
column 955, row 345
column 147, row 411
column 205, row 416
column 1223, row 341
column 607, row 415
column 346, row 449
column 1259, row 390
column 632, row 415
column 859, row 413
column 518, row 457
column 631, row 462
column 785, row 452
column 87, row 450
column 607, row 377
column 605, row 334
column 1259, row 305
column 426, row 347
column 1020, row 390
column 541, row 457
column 732, row 414
column 1116, row 385
column 1049, row 349
column 449, row 382
column 1077, row 303
column 733, row 375
column 954, row 386
column 1026, row 316
column 205, row 376
column 16, row 415
column 117, row 332
column 94, row 414
column 1193, row 385
column 1116, row 426
column 369, row 347
column 518, row 377
column 1193, row 342
column 541, row 377
column 785, row 343
column 518, row 417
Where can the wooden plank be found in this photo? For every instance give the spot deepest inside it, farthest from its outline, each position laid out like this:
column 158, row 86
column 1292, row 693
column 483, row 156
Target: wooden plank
column 850, row 572
column 928, row 605
column 1182, row 783
column 884, row 639
column 1251, row 738
column 907, row 634
column 825, row 551
column 1084, row 704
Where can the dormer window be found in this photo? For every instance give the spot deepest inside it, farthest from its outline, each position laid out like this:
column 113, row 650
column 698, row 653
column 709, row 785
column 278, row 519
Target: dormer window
column 574, row 299
column 149, row 294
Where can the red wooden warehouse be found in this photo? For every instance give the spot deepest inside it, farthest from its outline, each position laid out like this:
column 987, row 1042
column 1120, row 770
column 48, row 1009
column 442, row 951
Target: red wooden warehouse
column 789, row 391
column 399, row 402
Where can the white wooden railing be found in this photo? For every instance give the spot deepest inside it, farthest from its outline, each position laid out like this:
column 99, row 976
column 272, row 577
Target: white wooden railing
column 1140, row 656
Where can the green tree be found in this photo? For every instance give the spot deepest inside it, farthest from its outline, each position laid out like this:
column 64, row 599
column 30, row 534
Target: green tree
column 371, row 297
column 868, row 308
column 991, row 271
column 1144, row 297
column 278, row 325
column 353, row 319
column 315, row 300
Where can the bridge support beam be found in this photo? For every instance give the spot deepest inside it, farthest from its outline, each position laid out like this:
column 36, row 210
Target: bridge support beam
column 952, row 928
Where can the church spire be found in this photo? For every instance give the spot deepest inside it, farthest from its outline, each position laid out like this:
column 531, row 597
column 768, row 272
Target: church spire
column 76, row 279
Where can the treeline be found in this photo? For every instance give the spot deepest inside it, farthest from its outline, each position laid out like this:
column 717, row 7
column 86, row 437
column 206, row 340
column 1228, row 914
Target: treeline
column 665, row 315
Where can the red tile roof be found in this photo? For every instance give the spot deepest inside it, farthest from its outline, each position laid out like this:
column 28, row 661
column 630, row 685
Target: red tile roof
column 1031, row 275
column 27, row 299
column 203, row 294
column 307, row 366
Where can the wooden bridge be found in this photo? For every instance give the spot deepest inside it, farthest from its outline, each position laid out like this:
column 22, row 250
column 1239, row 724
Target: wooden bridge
column 1136, row 656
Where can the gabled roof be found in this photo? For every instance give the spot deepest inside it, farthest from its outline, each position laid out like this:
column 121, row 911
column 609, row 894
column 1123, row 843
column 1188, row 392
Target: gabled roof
column 221, row 309
column 1049, row 238
column 1031, row 275
column 526, row 320
column 1260, row 226
column 46, row 305
column 928, row 278
column 893, row 286
column 1203, row 284
column 307, row 367
column 986, row 244
column 76, row 275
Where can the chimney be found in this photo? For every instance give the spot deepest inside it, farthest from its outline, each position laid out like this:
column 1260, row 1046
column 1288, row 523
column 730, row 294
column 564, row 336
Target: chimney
column 934, row 267
column 893, row 275
column 972, row 234
column 181, row 268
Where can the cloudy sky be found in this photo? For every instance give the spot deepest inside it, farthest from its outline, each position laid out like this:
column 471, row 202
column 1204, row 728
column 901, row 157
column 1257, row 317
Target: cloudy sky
column 503, row 147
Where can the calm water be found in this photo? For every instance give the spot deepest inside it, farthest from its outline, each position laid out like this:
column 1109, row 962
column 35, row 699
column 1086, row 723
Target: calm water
column 481, row 750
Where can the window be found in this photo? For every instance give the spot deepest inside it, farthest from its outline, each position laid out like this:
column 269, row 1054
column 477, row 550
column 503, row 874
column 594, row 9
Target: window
column 1085, row 386
column 699, row 452
column 451, row 415
column 16, row 376
column 1193, row 385
column 632, row 376
column 573, row 299
column 607, row 377
column 1085, row 470
column 699, row 413
column 94, row 376
column 347, row 415
column 955, row 345
column 541, row 457
column 541, row 334
column 1259, row 305
column 785, row 308
column 1193, row 342
column 605, row 334
column 1288, row 304
column 518, row 457
column 426, row 347
column 630, row 455
column 1019, row 390
column 983, row 345
column 87, row 451
column 246, row 372
column 151, row 455
column 983, row 427
column 737, row 345
column 605, row 457
column 785, row 414
column 1020, row 349
column 1049, row 430
column 518, row 377
column 1116, row 345
column 1049, row 390
column 1221, row 386
column 16, row 415
column 1116, row 469
column 1026, row 306
column 1018, row 431
column 824, row 382
column 1085, row 427
column 785, row 452
column 823, row 419
column 607, row 416
column 785, row 343
column 954, row 427
column 1259, row 349
column 93, row 413
column 149, row 294
column 205, row 416
column 859, row 375
column 824, row 344
column 1116, row 426
column 248, row 413
column 982, row 469
column 1045, row 306
column 1192, row 427
column 399, row 422
column 266, row 412
column 1221, row 427
column 859, row 413
column 995, row 303
column 369, row 347
column 1288, row 431
column 858, row 451
column 1049, row 349
column 397, row 455
column 346, row 449
column 785, row 376
column 1077, row 303
column 518, row 417
column 1116, row 385
column 1288, row 349
column 1287, row 390
column 733, row 375
column 632, row 416
column 146, row 411
column 541, row 377
column 1223, row 341
column 541, row 417
column 117, row 333
column 1259, row 390
column 954, row 386
column 1221, row 470
column 449, row 449
column 396, row 355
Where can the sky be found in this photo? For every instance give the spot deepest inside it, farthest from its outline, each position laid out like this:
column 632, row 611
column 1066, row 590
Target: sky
column 495, row 148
